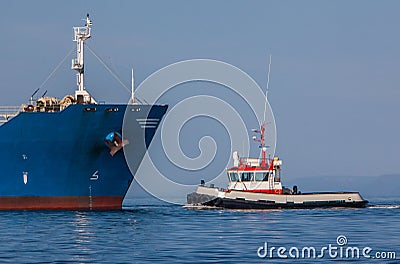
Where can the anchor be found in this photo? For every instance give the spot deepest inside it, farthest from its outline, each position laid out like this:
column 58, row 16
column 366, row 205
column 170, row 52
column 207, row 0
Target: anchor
column 114, row 141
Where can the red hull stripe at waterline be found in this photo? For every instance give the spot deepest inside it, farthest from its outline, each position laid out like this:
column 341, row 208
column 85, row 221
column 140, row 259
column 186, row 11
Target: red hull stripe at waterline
column 61, row 203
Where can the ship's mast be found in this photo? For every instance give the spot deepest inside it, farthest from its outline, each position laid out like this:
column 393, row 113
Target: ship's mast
column 132, row 100
column 80, row 35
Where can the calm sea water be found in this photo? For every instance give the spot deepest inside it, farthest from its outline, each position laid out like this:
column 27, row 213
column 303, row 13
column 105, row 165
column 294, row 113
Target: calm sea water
column 149, row 232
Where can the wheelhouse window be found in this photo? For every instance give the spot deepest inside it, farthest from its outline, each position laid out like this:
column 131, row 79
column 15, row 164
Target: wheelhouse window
column 233, row 176
column 262, row 176
column 247, row 176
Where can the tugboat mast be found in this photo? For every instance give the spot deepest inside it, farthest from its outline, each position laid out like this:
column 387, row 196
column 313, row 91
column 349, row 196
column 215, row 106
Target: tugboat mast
column 80, row 35
column 262, row 144
column 263, row 147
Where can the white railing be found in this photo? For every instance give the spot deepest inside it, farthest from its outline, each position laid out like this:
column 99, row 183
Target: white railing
column 250, row 161
column 8, row 112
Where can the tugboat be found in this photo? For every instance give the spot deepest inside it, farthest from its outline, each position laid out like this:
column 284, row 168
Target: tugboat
column 256, row 184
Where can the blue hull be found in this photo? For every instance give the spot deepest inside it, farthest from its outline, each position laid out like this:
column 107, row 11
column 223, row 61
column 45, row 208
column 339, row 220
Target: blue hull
column 60, row 160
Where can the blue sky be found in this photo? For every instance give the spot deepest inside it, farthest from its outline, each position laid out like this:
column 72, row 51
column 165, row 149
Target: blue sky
column 334, row 83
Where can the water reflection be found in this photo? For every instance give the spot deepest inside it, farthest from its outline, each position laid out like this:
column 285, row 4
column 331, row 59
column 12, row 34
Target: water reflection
column 83, row 237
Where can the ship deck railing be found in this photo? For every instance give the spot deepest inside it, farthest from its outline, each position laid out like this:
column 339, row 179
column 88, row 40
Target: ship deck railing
column 8, row 112
column 253, row 162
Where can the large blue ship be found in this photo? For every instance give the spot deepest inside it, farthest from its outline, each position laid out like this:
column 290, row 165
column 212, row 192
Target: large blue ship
column 68, row 153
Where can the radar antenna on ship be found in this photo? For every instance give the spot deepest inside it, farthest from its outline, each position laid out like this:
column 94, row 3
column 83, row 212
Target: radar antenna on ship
column 80, row 35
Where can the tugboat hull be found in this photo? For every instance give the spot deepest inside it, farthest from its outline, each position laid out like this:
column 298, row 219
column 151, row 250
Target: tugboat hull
column 208, row 196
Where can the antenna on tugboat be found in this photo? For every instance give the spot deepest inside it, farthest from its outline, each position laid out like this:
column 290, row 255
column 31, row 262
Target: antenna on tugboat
column 266, row 92
column 262, row 130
